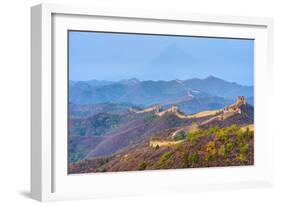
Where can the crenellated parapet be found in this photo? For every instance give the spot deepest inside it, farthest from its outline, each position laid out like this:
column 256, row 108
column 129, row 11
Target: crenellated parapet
column 220, row 113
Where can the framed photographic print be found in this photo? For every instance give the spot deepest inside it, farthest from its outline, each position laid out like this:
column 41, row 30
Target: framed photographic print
column 134, row 102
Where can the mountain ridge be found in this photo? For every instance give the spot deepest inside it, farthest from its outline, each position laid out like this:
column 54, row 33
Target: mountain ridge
column 121, row 131
column 222, row 133
column 151, row 92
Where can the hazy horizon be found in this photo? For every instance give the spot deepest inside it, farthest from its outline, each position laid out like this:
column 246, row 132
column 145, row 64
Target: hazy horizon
column 117, row 56
column 142, row 80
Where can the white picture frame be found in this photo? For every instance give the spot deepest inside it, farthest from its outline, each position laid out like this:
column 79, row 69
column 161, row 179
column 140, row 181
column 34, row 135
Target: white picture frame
column 49, row 178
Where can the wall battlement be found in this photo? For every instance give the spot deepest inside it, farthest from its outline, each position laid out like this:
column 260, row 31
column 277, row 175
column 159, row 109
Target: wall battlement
column 233, row 108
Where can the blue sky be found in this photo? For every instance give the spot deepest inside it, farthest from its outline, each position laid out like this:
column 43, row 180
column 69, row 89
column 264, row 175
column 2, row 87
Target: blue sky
column 114, row 56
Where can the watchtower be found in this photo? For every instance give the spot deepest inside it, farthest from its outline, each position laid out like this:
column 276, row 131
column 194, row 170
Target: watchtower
column 240, row 100
column 157, row 108
column 174, row 108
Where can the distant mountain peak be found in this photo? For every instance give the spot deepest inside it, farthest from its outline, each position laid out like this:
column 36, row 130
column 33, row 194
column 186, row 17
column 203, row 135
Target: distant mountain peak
column 214, row 78
column 134, row 80
column 173, row 52
column 179, row 81
column 211, row 77
column 130, row 81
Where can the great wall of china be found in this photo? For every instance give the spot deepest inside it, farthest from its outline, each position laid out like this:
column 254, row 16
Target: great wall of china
column 224, row 113
column 219, row 114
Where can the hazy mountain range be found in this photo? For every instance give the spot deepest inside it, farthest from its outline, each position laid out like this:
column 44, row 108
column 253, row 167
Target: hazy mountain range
column 190, row 95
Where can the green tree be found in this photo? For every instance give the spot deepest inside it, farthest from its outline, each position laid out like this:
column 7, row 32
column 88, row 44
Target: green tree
column 180, row 136
column 211, row 148
column 244, row 149
column 222, row 151
column 229, row 147
column 240, row 135
column 165, row 157
column 185, row 159
column 142, row 165
column 193, row 158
